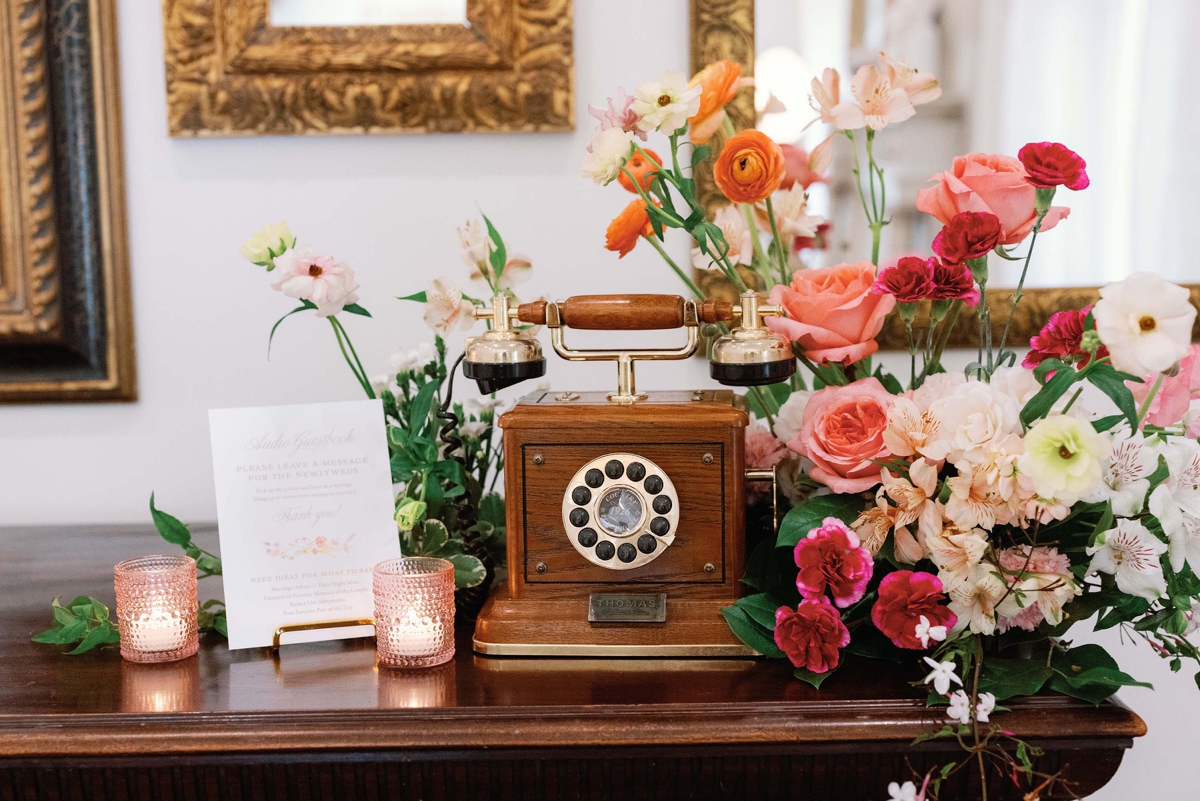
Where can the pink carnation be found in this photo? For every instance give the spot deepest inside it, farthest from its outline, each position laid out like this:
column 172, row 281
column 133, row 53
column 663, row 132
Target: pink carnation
column 831, row 558
column 763, row 450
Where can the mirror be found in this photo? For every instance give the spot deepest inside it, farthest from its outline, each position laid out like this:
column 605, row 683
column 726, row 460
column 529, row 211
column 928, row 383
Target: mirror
column 1108, row 80
column 353, row 13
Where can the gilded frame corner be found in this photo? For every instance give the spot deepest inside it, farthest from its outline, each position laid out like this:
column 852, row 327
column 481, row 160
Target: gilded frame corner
column 231, row 73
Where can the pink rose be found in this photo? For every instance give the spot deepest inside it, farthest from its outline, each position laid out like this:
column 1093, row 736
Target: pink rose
column 1175, row 396
column 842, row 432
column 995, row 184
column 832, row 313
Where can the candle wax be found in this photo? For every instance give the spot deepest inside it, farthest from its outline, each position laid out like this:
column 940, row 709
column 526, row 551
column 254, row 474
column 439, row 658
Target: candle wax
column 158, row 631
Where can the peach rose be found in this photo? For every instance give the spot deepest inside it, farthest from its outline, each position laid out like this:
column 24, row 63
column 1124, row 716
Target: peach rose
column 842, row 432
column 751, row 166
column 627, row 227
column 831, row 312
column 719, row 83
column 994, row 184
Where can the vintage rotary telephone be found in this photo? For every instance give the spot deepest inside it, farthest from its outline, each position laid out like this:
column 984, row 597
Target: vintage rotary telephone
column 624, row 509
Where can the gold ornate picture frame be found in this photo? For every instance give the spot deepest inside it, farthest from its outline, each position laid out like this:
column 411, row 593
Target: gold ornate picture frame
column 66, row 327
column 230, row 72
column 725, row 29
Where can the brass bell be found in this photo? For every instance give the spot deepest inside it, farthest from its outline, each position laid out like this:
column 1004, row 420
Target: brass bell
column 752, row 354
column 502, row 356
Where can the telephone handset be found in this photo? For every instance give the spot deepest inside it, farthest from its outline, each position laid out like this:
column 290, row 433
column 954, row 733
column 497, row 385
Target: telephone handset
column 749, row 355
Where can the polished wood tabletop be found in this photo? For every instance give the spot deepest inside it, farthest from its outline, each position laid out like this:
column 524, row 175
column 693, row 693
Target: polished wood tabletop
column 326, row 697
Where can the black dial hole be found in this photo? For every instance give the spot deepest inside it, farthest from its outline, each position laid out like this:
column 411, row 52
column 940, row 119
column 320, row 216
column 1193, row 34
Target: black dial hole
column 594, row 478
column 579, row 517
column 581, row 495
column 660, row 526
column 647, row 543
column 614, row 469
column 654, row 484
column 636, row 471
column 588, row 537
column 662, row 504
column 605, row 550
column 627, row 553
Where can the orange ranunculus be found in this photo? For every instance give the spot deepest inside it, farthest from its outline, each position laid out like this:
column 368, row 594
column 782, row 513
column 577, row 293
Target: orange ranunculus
column 750, row 167
column 719, row 83
column 624, row 230
column 641, row 168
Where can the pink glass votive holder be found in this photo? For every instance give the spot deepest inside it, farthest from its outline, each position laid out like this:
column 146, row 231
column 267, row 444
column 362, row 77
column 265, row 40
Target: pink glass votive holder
column 414, row 611
column 156, row 608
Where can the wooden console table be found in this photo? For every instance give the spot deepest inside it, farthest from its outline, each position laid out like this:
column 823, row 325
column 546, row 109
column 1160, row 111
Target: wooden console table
column 322, row 721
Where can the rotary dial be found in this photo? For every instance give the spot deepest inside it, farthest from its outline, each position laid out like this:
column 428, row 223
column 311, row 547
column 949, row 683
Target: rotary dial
column 620, row 511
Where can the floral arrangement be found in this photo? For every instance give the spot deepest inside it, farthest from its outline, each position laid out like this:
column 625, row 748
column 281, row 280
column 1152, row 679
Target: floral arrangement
column 960, row 521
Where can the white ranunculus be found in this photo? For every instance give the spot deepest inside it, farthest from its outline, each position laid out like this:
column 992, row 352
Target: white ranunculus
column 268, row 243
column 974, row 416
column 790, row 417
column 611, row 148
column 446, row 308
column 665, row 105
column 1145, row 322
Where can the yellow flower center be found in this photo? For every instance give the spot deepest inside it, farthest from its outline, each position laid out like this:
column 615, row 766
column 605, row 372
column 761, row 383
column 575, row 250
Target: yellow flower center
column 664, row 99
column 1147, row 323
column 314, row 271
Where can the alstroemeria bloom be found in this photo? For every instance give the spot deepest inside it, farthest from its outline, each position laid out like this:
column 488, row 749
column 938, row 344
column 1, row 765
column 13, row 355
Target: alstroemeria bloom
column 941, row 675
column 1176, row 395
column 1176, row 501
column 1125, row 474
column 804, row 168
column 476, row 244
column 1043, row 585
column 1130, row 552
column 446, row 308
column 1145, row 322
column 974, row 600
column 791, row 213
column 879, row 102
column 921, row 87
column 306, row 275
column 911, row 431
column 955, row 551
column 665, row 105
column 831, row 558
column 719, row 83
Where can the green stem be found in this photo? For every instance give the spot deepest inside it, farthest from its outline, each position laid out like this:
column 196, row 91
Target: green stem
column 783, row 266
column 671, row 263
column 1037, row 226
column 935, row 357
column 339, row 332
column 1145, row 407
column 1071, row 402
column 759, row 255
column 858, row 177
column 912, row 354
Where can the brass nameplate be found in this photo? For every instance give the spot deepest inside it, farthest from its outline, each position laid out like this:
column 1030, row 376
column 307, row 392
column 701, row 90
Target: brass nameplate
column 619, row 607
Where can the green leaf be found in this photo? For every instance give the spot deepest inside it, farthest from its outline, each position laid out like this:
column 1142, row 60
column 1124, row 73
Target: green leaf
column 770, row 569
column 1041, row 403
column 1105, row 423
column 304, row 307
column 468, row 570
column 419, row 297
column 815, row 679
column 889, row 381
column 169, row 527
column 491, row 509
column 100, row 635
column 699, row 154
column 1007, row 678
column 1089, row 673
column 420, row 408
column 872, row 643
column 811, row 513
column 760, row 608
column 436, row 535
column 750, row 632
column 354, row 308
column 498, row 257
column 50, row 637
column 1109, row 381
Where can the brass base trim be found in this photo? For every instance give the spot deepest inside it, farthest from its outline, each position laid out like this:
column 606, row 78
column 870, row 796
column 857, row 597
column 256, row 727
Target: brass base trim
column 567, row 649
column 324, row 624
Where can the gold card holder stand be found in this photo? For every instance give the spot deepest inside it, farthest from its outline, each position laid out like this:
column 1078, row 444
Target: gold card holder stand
column 292, row 628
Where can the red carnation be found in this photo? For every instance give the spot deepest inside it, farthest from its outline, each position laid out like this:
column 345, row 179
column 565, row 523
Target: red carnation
column 968, row 235
column 1050, row 164
column 1060, row 339
column 954, row 282
column 811, row 635
column 832, row 558
column 909, row 280
column 904, row 598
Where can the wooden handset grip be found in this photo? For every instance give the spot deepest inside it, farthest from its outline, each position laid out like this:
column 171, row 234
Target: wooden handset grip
column 624, row 312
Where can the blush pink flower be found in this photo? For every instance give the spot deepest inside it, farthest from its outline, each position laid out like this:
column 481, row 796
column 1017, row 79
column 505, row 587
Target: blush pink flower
column 763, row 450
column 307, row 275
column 619, row 114
column 1175, row 395
column 804, row 168
column 904, row 598
column 988, row 183
column 811, row 635
column 909, row 280
column 843, row 432
column 832, row 558
column 832, row 314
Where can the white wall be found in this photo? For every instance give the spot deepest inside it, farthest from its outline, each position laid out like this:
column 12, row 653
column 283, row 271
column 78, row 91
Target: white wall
column 387, row 206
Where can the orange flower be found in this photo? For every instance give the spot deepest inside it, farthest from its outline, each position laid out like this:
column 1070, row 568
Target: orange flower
column 641, row 168
column 631, row 223
column 719, row 83
column 750, row 167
